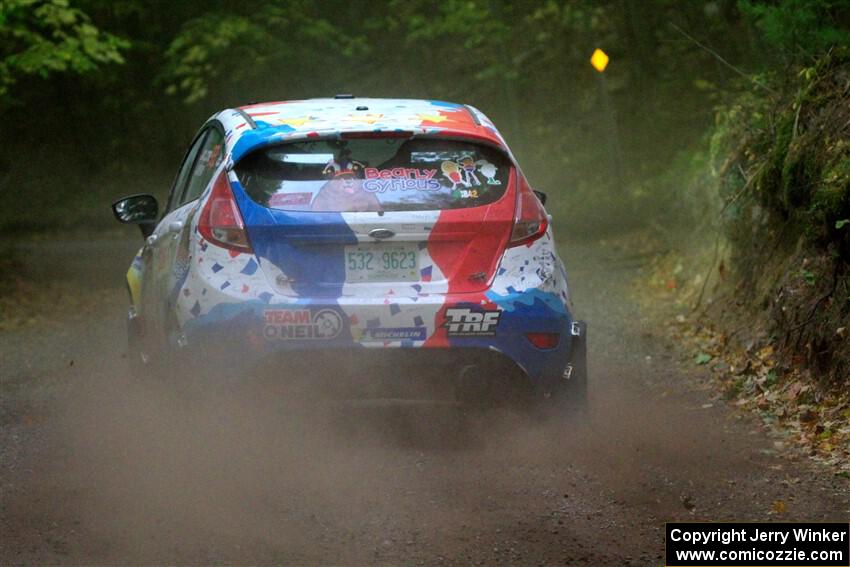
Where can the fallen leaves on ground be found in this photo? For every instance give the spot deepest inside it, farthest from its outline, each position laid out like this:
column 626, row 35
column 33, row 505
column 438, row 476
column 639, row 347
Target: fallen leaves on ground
column 702, row 358
column 782, row 392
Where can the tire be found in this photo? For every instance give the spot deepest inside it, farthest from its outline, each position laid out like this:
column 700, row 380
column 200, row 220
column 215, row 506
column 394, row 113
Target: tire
column 481, row 389
column 148, row 361
column 471, row 389
column 154, row 361
column 138, row 359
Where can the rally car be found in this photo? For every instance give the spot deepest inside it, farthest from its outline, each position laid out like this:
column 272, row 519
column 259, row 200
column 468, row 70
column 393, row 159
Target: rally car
column 358, row 225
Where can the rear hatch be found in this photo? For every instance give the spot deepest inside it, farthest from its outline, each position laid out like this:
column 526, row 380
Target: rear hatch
column 366, row 214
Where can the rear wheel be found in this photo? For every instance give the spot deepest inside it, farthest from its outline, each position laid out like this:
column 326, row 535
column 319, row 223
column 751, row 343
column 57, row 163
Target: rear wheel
column 166, row 360
column 471, row 388
column 147, row 358
column 482, row 388
column 137, row 357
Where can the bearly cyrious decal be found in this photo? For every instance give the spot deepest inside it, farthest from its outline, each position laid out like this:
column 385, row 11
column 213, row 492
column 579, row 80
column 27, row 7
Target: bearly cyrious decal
column 400, row 179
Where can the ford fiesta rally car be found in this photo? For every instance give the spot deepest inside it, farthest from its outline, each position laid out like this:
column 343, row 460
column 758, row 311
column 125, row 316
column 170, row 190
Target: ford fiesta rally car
column 367, row 226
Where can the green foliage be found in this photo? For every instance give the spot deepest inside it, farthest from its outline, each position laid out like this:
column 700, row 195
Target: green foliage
column 42, row 37
column 224, row 49
column 607, row 148
column 808, row 276
column 503, row 39
column 771, row 379
column 801, row 27
column 795, row 153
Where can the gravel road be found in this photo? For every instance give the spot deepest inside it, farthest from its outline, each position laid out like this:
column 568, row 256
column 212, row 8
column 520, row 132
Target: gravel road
column 98, row 469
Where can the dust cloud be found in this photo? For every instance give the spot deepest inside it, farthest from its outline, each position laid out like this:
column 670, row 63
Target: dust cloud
column 258, row 471
column 299, row 467
column 271, row 469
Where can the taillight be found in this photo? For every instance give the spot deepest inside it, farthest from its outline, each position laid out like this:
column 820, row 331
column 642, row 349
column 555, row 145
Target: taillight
column 544, row 340
column 220, row 222
column 530, row 220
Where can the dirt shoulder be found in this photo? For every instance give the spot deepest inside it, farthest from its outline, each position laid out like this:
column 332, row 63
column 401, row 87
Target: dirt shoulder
column 761, row 360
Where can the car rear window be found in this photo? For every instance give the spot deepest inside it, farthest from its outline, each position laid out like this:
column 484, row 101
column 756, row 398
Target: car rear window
column 374, row 174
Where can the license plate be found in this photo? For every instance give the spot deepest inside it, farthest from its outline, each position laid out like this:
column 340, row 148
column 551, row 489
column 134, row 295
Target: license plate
column 381, row 263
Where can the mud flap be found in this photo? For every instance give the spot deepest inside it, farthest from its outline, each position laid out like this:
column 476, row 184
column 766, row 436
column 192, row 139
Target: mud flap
column 573, row 390
column 137, row 358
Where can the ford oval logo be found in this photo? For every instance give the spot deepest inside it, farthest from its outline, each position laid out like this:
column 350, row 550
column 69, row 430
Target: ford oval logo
column 381, row 233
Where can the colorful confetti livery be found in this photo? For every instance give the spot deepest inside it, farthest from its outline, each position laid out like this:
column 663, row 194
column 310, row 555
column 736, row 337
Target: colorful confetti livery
column 353, row 223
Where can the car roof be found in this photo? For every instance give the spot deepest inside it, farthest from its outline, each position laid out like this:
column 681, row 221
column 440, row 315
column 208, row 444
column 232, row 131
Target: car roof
column 256, row 125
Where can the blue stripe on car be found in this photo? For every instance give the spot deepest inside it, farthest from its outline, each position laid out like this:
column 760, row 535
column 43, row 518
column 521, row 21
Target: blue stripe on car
column 308, row 247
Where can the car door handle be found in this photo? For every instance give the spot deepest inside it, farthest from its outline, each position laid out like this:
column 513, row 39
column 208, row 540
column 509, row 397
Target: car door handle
column 175, row 226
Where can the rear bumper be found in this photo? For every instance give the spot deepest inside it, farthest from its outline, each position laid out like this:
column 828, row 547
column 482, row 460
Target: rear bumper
column 250, row 333
column 230, row 309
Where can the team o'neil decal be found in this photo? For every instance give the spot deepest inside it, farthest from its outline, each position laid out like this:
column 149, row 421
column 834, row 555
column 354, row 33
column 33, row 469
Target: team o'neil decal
column 468, row 323
column 301, row 324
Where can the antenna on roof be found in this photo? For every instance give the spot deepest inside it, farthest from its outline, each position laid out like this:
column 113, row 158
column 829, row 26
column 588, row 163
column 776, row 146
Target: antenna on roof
column 344, row 96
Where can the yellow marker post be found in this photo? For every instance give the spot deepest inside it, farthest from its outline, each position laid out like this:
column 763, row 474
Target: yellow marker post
column 599, row 60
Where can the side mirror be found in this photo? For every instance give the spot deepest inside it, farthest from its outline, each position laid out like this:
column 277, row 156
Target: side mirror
column 542, row 196
column 137, row 209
